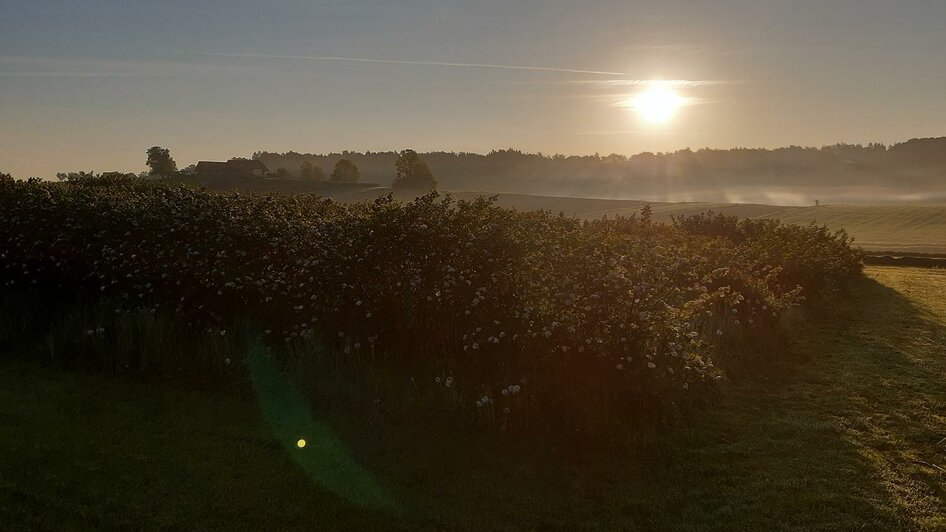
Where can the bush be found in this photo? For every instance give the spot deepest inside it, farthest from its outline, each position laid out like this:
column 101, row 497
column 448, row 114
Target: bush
column 525, row 318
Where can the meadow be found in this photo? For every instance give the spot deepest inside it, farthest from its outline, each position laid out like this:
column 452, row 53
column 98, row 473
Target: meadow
column 842, row 432
column 233, row 361
column 914, row 228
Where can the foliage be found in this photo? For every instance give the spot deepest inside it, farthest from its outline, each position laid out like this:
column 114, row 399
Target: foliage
column 104, row 177
column 848, row 436
column 812, row 257
column 75, row 176
column 412, row 172
column 345, row 171
column 310, row 172
column 906, row 168
column 525, row 318
column 160, row 161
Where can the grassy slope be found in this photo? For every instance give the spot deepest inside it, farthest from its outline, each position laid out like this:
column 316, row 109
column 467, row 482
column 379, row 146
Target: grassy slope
column 916, row 228
column 903, row 228
column 837, row 436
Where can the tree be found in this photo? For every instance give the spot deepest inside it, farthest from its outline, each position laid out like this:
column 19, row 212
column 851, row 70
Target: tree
column 160, row 161
column 281, row 173
column 72, row 177
column 412, row 172
column 345, row 172
column 5, row 177
column 310, row 172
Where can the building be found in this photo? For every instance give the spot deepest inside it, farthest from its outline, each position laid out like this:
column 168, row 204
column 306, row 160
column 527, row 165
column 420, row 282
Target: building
column 232, row 168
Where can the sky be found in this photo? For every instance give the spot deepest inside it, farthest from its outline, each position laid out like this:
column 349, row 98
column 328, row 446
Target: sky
column 91, row 85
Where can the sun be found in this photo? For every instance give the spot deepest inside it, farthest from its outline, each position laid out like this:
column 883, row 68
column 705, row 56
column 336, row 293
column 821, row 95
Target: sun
column 658, row 104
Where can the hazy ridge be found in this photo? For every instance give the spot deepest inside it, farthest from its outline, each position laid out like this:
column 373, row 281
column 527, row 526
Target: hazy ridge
column 906, row 172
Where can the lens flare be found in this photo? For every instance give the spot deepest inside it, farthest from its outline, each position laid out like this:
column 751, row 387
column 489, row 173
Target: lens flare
column 300, row 444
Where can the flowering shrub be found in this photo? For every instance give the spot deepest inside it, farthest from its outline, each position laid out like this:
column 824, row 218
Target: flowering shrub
column 525, row 317
column 812, row 257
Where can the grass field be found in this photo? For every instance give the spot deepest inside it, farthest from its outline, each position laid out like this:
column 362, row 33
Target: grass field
column 899, row 228
column 842, row 432
column 915, row 228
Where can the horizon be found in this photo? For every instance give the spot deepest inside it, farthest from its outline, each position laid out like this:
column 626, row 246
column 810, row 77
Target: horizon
column 92, row 86
column 185, row 164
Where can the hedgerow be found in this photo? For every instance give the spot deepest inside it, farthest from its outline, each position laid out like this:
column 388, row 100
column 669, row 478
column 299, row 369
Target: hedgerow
column 524, row 318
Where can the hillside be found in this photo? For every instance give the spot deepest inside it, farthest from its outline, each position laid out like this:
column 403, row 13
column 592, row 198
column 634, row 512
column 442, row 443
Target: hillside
column 915, row 228
column 793, row 175
column 896, row 228
column 840, row 434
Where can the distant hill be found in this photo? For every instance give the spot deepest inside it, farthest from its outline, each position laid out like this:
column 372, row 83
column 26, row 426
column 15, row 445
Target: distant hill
column 896, row 228
column 911, row 171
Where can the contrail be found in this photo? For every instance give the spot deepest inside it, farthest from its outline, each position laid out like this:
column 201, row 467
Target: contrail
column 404, row 62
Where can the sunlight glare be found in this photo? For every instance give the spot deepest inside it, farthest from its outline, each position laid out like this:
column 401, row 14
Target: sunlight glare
column 657, row 104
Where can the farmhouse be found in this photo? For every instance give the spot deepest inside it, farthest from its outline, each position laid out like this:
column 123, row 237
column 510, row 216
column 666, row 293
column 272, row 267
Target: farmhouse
column 232, row 168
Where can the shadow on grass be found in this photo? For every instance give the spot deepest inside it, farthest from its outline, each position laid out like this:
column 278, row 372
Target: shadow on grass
column 840, row 434
column 831, row 442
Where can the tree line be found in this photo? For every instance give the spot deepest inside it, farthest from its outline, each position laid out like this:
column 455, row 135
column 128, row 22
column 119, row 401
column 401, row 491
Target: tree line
column 916, row 165
column 919, row 161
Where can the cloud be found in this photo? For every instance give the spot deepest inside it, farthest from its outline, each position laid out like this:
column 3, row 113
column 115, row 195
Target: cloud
column 411, row 62
column 46, row 67
column 643, row 82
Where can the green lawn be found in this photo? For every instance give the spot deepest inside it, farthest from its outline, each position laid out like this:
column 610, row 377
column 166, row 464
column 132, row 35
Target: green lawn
column 844, row 433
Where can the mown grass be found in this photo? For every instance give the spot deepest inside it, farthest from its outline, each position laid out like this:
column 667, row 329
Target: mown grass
column 902, row 228
column 841, row 432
